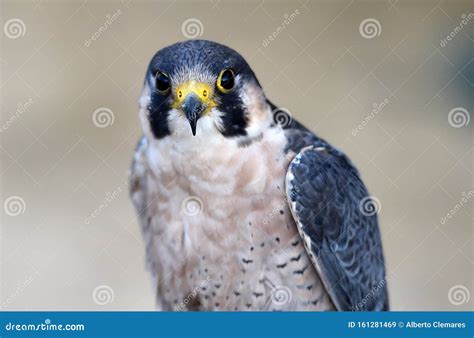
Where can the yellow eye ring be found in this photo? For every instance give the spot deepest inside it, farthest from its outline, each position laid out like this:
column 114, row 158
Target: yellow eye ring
column 226, row 80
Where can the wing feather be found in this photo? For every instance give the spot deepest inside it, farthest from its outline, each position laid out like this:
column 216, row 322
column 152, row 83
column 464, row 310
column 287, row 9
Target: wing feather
column 139, row 194
column 326, row 197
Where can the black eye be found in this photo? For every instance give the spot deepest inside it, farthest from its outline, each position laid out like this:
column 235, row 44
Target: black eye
column 162, row 82
column 226, row 80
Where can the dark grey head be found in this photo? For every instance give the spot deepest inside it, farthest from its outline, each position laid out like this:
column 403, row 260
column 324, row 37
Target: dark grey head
column 207, row 85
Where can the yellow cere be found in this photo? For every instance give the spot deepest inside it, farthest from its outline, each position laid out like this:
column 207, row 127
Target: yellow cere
column 201, row 89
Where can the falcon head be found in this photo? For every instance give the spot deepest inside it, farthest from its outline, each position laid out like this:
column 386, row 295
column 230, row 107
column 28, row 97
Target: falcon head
column 203, row 88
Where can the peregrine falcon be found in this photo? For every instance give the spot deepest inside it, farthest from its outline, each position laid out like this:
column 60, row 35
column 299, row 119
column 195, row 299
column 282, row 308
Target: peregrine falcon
column 241, row 207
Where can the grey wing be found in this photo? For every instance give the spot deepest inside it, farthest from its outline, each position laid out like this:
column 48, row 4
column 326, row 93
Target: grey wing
column 138, row 177
column 138, row 185
column 338, row 222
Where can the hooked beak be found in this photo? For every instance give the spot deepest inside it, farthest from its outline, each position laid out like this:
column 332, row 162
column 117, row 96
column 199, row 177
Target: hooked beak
column 194, row 99
column 193, row 107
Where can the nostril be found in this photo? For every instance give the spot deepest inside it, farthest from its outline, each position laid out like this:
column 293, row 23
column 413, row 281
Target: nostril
column 180, row 94
column 204, row 93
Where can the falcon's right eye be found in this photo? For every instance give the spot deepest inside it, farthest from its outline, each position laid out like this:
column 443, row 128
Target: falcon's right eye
column 162, row 82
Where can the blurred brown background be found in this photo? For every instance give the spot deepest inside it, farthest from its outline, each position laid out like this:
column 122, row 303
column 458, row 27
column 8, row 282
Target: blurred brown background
column 379, row 79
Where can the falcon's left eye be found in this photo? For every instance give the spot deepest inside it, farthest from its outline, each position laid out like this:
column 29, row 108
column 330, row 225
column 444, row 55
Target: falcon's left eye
column 162, row 82
column 226, row 80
